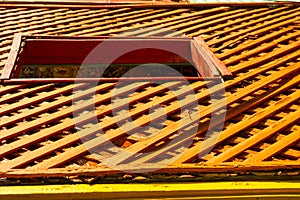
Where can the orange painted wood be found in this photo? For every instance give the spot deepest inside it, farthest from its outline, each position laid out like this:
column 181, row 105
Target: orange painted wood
column 260, row 41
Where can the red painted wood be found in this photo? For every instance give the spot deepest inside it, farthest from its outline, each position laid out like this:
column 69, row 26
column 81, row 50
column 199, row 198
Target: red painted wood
column 11, row 61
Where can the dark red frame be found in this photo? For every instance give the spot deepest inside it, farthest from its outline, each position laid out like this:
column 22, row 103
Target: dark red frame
column 51, row 49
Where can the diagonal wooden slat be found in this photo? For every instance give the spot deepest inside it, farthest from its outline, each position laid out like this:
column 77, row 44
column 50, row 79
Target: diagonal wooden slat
column 291, row 153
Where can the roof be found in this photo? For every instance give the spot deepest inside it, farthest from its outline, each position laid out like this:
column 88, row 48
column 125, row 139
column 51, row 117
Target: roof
column 259, row 44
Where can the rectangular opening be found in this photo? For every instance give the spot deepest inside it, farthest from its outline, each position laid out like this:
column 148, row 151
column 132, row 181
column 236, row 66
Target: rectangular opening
column 58, row 58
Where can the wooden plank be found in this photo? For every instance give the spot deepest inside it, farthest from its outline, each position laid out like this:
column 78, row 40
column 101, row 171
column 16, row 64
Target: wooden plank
column 100, row 171
column 245, row 190
column 194, row 151
column 224, row 72
column 140, row 146
column 259, row 84
column 291, row 153
column 270, row 64
column 151, row 5
column 4, row 56
column 257, row 138
column 81, row 30
column 5, row 49
column 276, row 147
column 10, row 63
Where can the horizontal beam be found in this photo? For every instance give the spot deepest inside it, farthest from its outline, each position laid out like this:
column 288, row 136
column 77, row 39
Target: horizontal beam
column 66, row 4
column 235, row 190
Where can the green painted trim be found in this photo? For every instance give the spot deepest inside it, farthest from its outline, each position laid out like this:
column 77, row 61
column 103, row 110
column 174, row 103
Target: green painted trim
column 231, row 190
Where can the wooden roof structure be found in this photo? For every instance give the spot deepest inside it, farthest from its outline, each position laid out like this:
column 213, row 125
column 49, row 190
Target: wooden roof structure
column 258, row 43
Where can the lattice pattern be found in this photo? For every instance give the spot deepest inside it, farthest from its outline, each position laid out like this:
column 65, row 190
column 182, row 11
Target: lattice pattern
column 259, row 45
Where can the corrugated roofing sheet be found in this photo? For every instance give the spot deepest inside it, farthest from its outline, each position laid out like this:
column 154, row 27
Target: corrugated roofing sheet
column 258, row 44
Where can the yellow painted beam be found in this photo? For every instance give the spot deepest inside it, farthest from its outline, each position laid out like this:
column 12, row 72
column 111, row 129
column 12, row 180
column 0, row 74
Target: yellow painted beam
column 211, row 190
